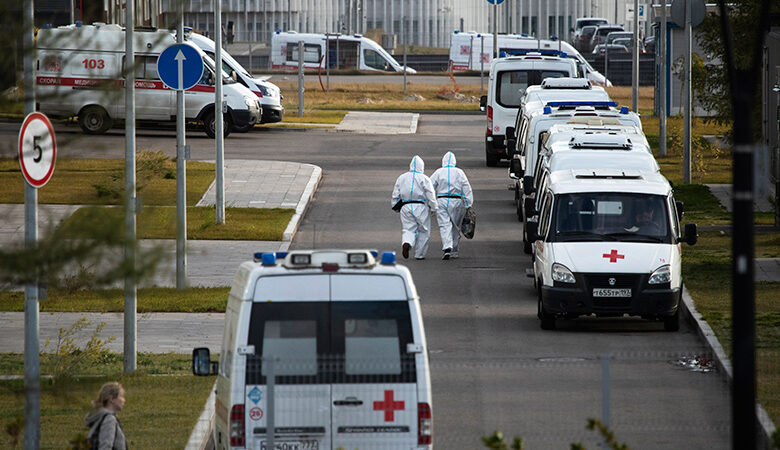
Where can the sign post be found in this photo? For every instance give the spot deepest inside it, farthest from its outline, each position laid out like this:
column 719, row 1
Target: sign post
column 180, row 67
column 495, row 4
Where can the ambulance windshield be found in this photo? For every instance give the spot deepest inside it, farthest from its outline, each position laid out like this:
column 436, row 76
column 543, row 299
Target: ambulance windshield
column 610, row 216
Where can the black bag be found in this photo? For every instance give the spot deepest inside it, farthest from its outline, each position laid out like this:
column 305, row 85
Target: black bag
column 469, row 223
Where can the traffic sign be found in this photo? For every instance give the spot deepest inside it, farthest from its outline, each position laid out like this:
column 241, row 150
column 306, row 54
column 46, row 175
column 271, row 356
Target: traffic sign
column 698, row 11
column 495, row 2
column 180, row 66
column 37, row 149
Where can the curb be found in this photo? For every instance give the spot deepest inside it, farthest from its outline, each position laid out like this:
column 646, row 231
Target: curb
column 703, row 329
column 201, row 434
column 303, row 205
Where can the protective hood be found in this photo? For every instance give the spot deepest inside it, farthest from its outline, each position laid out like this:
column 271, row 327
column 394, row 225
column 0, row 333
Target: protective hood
column 94, row 417
column 612, row 257
column 448, row 160
column 417, row 165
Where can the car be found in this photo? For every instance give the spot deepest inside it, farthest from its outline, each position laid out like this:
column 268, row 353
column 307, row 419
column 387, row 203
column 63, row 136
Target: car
column 600, row 35
column 618, row 35
column 582, row 41
column 587, row 21
column 330, row 344
column 613, row 49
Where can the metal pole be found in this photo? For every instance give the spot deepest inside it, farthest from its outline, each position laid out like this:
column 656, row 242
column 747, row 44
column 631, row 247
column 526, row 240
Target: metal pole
column 270, row 383
column 403, row 40
column 687, row 97
column 131, row 207
column 327, row 62
column 635, row 62
column 250, row 58
column 495, row 29
column 481, row 64
column 181, row 174
column 557, row 19
column 300, row 79
column 289, row 15
column 219, row 124
column 32, row 366
column 663, row 53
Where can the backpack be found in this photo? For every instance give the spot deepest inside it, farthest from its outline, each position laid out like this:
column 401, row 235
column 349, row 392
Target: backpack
column 469, row 223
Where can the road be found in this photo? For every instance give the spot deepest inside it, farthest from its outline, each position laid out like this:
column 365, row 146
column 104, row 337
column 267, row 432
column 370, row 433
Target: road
column 493, row 368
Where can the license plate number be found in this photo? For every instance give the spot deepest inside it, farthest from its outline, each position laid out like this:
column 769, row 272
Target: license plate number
column 293, row 445
column 612, row 292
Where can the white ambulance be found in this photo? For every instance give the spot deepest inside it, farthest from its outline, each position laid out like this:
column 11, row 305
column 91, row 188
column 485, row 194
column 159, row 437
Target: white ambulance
column 80, row 72
column 269, row 94
column 330, row 346
column 509, row 78
column 470, row 50
column 346, row 52
column 562, row 90
column 608, row 243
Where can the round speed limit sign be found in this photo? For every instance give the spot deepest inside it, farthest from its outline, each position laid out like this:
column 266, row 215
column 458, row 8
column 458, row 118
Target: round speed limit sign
column 37, row 149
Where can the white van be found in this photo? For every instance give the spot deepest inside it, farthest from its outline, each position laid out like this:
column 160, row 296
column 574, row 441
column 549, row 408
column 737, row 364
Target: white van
column 269, row 94
column 346, row 52
column 79, row 72
column 342, row 334
column 470, row 50
column 608, row 243
column 509, row 78
column 562, row 90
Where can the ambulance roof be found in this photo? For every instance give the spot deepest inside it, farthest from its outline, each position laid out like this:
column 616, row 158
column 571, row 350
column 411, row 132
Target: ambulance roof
column 564, row 136
column 102, row 37
column 608, row 180
column 585, row 159
column 540, row 97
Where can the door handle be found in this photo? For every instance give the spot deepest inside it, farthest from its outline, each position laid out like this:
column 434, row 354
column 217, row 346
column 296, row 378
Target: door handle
column 349, row 401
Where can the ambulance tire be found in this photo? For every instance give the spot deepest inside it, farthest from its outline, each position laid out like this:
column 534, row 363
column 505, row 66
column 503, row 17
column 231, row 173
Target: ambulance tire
column 491, row 158
column 547, row 320
column 94, row 120
column 209, row 124
column 672, row 323
column 526, row 244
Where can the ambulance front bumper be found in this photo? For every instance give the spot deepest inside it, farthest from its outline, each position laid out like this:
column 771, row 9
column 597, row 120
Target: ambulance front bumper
column 578, row 300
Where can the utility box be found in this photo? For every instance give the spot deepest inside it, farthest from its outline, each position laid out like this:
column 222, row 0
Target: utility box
column 389, row 41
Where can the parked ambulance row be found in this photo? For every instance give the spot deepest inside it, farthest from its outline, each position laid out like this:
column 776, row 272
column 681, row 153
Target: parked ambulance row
column 599, row 220
column 81, row 69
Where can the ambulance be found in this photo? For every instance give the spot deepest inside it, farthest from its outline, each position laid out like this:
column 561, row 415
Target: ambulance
column 326, row 348
column 470, row 50
column 508, row 80
column 80, row 72
column 608, row 243
column 346, row 52
column 269, row 94
column 562, row 90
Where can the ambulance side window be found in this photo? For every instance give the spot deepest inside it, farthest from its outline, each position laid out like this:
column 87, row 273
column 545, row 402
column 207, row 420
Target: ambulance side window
column 544, row 217
column 523, row 134
column 145, row 67
column 311, row 52
column 675, row 221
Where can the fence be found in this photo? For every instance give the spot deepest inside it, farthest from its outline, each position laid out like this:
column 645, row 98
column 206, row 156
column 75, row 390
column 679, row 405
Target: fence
column 618, row 68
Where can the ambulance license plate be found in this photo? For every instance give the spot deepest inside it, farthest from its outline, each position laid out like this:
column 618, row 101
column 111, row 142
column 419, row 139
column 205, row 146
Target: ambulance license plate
column 293, row 445
column 611, row 292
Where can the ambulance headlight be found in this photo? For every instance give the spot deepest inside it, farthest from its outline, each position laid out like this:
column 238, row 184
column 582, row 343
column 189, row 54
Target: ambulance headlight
column 661, row 275
column 562, row 274
column 249, row 102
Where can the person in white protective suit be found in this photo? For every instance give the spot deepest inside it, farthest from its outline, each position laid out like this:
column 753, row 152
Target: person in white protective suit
column 415, row 190
column 454, row 195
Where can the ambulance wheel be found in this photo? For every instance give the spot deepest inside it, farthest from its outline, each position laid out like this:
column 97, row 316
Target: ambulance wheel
column 491, row 160
column 94, row 120
column 209, row 124
column 672, row 323
column 526, row 244
column 547, row 320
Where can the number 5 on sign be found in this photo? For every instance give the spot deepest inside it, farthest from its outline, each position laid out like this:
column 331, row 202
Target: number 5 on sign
column 37, row 149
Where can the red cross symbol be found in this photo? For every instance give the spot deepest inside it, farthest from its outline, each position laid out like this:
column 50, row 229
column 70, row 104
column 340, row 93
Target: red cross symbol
column 613, row 256
column 389, row 406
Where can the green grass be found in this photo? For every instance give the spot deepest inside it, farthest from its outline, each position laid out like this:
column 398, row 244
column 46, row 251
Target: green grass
column 248, row 224
column 101, row 181
column 160, row 411
column 193, row 300
column 324, row 116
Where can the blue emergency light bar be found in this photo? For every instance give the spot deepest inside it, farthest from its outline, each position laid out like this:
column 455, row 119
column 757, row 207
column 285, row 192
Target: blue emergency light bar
column 581, row 103
column 543, row 52
column 388, row 258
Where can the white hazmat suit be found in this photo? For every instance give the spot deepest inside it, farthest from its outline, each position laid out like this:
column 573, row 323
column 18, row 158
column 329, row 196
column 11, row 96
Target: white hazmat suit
column 414, row 186
column 454, row 195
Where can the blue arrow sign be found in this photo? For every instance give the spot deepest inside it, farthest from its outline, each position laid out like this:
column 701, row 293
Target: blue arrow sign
column 495, row 2
column 180, row 66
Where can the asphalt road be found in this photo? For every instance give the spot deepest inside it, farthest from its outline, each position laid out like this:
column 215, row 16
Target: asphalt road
column 493, row 368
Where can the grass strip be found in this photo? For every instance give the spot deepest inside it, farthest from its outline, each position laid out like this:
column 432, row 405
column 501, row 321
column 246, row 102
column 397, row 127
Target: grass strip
column 707, row 275
column 101, row 181
column 154, row 299
column 158, row 222
column 159, row 413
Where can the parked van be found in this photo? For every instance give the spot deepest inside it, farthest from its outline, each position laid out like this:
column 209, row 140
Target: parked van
column 470, row 50
column 608, row 243
column 269, row 94
column 509, row 78
column 80, row 72
column 562, row 90
column 345, row 52
column 330, row 346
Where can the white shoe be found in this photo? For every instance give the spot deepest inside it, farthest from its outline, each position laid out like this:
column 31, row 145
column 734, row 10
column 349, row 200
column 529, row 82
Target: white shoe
column 453, row 255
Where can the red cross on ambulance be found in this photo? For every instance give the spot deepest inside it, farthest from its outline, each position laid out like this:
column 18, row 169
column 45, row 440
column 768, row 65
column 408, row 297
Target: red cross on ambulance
column 389, row 406
column 613, row 256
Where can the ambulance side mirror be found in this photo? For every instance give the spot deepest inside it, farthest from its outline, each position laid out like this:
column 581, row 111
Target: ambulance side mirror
column 530, row 207
column 202, row 365
column 528, row 184
column 690, row 237
column 679, row 207
column 482, row 103
column 515, row 169
column 532, row 231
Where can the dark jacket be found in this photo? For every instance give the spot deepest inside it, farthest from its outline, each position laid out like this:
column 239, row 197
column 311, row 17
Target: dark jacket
column 110, row 435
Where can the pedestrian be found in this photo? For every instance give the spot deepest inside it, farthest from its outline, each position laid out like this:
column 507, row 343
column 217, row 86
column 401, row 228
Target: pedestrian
column 413, row 193
column 453, row 193
column 105, row 431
